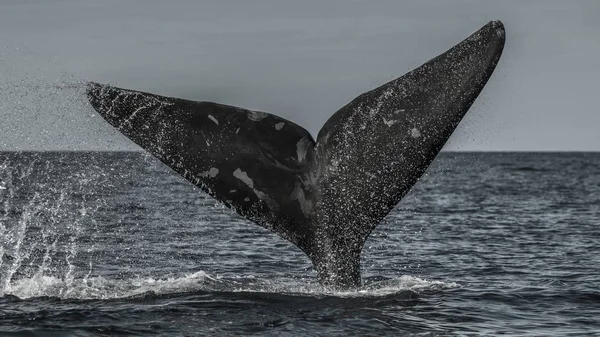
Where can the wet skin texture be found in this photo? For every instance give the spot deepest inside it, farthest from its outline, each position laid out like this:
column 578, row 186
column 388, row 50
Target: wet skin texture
column 324, row 196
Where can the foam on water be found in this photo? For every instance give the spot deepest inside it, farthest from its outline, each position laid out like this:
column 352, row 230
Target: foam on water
column 106, row 288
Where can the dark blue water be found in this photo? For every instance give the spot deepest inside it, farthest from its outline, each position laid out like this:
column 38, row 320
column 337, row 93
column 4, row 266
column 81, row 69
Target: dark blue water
column 105, row 244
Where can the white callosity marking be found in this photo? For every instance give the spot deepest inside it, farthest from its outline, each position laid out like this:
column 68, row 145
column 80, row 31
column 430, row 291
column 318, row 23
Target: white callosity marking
column 415, row 133
column 301, row 148
column 237, row 131
column 243, row 176
column 279, row 126
column 257, row 115
column 210, row 173
column 399, row 111
column 246, row 199
column 212, row 118
column 232, row 191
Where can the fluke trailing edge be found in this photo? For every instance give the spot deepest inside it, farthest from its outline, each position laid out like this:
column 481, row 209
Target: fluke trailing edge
column 324, row 196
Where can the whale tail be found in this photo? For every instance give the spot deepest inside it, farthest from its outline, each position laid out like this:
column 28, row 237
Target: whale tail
column 324, row 196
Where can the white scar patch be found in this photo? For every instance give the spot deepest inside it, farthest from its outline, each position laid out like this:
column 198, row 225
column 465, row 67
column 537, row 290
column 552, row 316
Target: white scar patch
column 279, row 126
column 210, row 173
column 205, row 139
column 301, row 148
column 415, row 133
column 243, row 176
column 212, row 118
column 256, row 115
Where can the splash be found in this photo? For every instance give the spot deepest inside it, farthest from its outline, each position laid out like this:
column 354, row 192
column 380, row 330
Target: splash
column 92, row 288
column 40, row 222
column 106, row 288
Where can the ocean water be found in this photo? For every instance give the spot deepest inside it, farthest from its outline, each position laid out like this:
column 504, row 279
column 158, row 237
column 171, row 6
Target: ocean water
column 108, row 244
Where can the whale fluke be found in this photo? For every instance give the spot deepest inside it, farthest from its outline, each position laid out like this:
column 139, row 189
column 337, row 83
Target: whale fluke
column 324, row 196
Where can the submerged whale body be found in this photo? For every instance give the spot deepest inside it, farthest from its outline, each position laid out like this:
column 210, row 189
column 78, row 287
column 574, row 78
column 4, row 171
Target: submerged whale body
column 324, row 196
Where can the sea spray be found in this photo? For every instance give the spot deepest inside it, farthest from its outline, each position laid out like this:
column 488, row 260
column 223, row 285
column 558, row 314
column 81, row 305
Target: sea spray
column 41, row 220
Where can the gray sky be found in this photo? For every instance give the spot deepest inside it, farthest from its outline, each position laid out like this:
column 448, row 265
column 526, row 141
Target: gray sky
column 301, row 60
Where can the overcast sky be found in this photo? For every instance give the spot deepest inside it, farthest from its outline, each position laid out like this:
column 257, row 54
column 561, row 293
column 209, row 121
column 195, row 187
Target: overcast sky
column 300, row 59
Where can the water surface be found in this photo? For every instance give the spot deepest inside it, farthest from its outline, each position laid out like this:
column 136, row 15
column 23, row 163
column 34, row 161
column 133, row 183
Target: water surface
column 103, row 244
